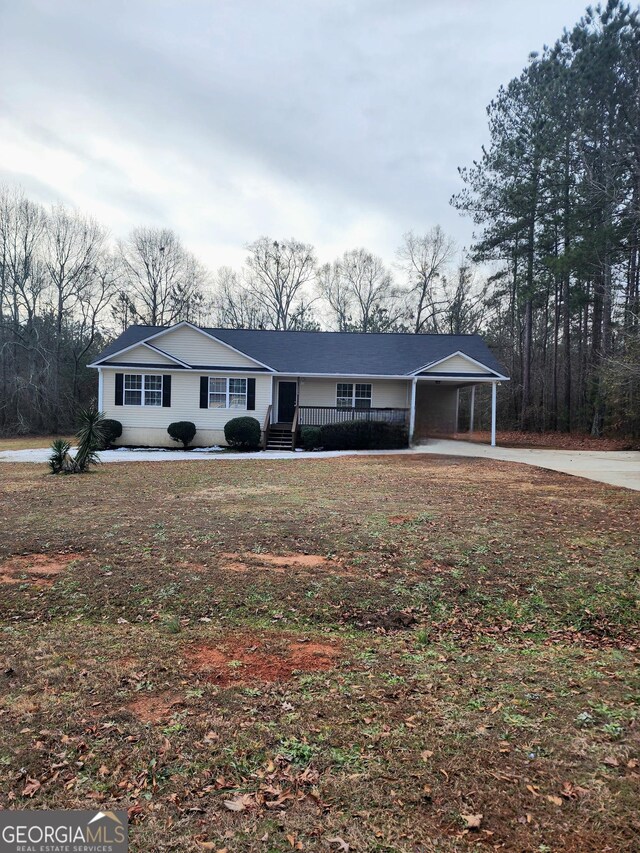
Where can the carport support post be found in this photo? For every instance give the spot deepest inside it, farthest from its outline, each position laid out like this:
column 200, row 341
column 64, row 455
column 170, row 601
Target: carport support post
column 473, row 405
column 493, row 414
column 412, row 410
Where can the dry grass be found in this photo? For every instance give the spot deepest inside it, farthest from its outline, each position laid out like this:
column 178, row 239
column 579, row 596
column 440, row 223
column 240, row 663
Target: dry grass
column 31, row 442
column 226, row 668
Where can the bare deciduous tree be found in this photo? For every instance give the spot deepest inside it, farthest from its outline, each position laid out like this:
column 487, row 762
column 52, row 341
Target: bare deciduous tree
column 276, row 275
column 360, row 293
column 334, row 290
column 164, row 281
column 234, row 306
column 424, row 259
column 464, row 302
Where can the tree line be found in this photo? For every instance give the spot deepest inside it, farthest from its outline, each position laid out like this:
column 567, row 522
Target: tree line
column 552, row 279
column 556, row 198
column 66, row 289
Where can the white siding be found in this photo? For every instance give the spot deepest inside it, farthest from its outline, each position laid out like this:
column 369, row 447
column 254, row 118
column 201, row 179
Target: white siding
column 148, row 424
column 385, row 393
column 143, row 355
column 196, row 347
column 457, row 364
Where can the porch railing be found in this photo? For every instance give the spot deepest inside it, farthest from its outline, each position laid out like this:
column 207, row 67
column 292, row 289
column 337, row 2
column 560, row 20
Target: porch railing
column 321, row 415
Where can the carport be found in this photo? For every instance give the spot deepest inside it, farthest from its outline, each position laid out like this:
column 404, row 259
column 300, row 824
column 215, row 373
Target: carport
column 435, row 396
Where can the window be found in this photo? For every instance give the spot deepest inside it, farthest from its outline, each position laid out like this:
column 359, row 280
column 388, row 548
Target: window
column 362, row 397
column 227, row 393
column 345, row 395
column 153, row 390
column 132, row 390
column 350, row 396
column 237, row 394
column 142, row 390
column 217, row 393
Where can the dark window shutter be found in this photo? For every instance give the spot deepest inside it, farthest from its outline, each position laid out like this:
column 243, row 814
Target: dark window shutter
column 204, row 392
column 166, row 390
column 119, row 386
column 251, row 394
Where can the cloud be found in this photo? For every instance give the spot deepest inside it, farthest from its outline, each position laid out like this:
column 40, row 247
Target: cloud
column 341, row 122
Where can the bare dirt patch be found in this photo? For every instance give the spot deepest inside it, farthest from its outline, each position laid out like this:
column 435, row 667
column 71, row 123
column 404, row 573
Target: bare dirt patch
column 274, row 562
column 244, row 658
column 154, row 709
column 40, row 569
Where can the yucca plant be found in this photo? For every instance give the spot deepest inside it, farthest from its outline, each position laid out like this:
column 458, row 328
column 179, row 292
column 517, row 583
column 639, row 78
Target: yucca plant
column 59, row 458
column 90, row 437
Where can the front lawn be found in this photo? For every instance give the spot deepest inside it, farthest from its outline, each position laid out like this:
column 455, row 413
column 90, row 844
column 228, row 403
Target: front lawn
column 370, row 654
column 31, row 442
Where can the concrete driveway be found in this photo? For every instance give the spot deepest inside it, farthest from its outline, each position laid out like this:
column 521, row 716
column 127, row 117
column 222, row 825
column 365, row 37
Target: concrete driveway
column 617, row 468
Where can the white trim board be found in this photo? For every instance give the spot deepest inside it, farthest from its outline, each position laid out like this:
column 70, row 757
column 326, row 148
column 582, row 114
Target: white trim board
column 145, row 368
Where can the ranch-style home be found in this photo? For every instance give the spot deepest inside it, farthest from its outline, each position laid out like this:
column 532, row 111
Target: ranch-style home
column 151, row 376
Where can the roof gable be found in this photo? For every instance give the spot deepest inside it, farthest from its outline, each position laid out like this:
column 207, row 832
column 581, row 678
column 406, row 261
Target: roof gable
column 144, row 353
column 459, row 363
column 198, row 346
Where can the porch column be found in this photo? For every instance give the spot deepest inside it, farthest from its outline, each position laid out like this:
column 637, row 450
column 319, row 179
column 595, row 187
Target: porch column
column 100, row 390
column 493, row 414
column 412, row 410
column 457, row 409
column 473, row 406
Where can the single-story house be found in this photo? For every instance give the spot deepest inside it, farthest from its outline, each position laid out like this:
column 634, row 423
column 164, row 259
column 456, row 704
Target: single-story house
column 151, row 376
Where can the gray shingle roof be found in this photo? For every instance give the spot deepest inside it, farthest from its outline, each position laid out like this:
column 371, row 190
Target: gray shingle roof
column 340, row 353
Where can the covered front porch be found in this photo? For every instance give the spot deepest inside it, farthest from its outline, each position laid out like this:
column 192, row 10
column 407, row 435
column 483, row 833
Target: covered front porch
column 427, row 406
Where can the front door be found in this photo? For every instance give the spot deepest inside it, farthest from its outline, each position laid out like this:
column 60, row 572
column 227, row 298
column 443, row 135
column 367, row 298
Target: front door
column 287, row 392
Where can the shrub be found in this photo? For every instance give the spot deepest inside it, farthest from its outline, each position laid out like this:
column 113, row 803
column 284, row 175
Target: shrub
column 111, row 430
column 243, row 433
column 363, row 435
column 59, row 458
column 310, row 437
column 90, row 437
column 183, row 431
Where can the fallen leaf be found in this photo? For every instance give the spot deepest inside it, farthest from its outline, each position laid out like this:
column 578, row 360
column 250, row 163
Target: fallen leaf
column 31, row 787
column 555, row 800
column 472, row 821
column 426, row 754
column 240, row 803
column 611, row 760
column 342, row 844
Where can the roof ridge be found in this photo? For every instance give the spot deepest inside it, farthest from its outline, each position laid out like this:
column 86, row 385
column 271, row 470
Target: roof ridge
column 336, row 332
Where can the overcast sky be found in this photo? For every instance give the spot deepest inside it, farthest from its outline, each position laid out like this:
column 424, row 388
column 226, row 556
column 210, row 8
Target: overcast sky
column 339, row 122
